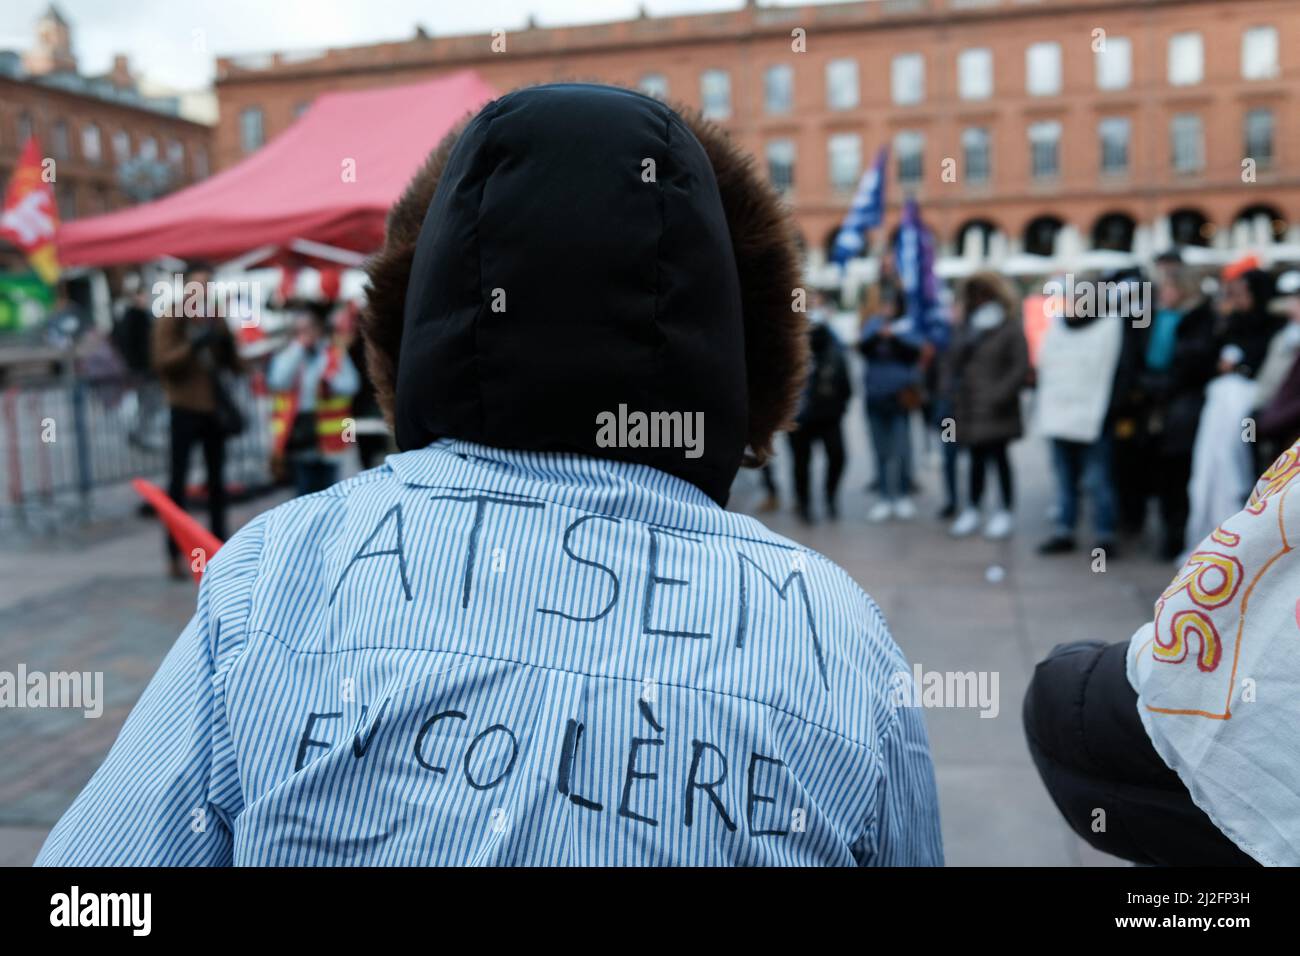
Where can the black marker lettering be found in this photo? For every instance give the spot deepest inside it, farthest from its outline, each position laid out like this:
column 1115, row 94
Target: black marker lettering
column 363, row 554
column 424, row 729
column 306, row 740
column 653, row 580
column 613, row 598
column 480, row 506
column 742, row 616
column 564, row 775
column 469, row 754
column 359, row 747
column 753, row 798
column 633, row 774
column 697, row 750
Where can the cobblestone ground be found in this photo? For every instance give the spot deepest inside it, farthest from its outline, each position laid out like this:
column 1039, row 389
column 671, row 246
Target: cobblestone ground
column 97, row 600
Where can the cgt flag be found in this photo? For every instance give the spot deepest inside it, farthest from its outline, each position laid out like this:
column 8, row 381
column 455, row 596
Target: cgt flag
column 866, row 212
column 30, row 219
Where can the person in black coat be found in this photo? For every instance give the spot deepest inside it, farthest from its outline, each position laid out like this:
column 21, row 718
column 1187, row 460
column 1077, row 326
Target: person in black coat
column 825, row 398
column 1086, row 739
column 1181, row 358
column 1249, row 326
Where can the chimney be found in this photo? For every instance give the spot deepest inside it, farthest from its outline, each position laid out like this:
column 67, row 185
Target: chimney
column 120, row 76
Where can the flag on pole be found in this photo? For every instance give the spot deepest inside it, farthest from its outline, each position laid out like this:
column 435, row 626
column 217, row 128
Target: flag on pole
column 914, row 260
column 30, row 219
column 867, row 211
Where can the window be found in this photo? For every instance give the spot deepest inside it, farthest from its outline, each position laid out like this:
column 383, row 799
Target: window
column 1186, row 59
column 975, row 153
column 175, row 153
column 251, row 132
column 25, row 128
column 715, row 94
column 121, row 146
column 845, row 153
column 654, row 84
column 1043, row 69
column 149, row 148
column 909, row 147
column 1114, row 133
column 1259, row 53
column 778, row 89
column 59, row 140
column 301, row 108
column 1115, row 64
column 842, row 84
column 1045, row 149
column 66, row 199
column 907, row 78
column 91, row 147
column 200, row 162
column 1187, row 143
column 975, row 74
column 780, row 164
column 1259, row 137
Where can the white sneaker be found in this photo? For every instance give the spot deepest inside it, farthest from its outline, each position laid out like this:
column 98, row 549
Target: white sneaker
column 880, row 511
column 966, row 524
column 904, row 510
column 1000, row 525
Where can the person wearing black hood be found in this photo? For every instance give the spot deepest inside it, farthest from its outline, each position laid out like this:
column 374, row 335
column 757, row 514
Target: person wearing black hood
column 536, row 635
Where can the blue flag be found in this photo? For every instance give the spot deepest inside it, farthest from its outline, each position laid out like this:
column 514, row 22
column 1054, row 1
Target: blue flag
column 866, row 212
column 914, row 260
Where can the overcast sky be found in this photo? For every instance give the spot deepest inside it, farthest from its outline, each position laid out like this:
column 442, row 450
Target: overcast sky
column 159, row 35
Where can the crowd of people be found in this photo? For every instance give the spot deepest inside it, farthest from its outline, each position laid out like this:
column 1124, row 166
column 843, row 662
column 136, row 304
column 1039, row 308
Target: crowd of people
column 626, row 603
column 1176, row 389
column 192, row 364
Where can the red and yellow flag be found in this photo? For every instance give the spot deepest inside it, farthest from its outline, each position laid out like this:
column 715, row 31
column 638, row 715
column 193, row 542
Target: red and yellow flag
column 30, row 219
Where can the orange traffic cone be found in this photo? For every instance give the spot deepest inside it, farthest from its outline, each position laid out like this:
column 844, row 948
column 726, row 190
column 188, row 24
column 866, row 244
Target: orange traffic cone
column 197, row 544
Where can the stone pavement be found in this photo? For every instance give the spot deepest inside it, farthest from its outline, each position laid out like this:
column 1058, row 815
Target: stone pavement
column 979, row 605
column 97, row 600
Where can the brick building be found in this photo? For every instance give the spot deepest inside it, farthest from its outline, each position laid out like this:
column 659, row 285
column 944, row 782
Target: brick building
column 1133, row 122
column 112, row 145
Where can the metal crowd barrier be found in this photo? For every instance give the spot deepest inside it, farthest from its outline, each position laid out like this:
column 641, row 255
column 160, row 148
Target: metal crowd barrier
column 68, row 441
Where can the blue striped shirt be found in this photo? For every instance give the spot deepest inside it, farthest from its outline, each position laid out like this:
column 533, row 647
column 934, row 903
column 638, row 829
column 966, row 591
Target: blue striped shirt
column 477, row 656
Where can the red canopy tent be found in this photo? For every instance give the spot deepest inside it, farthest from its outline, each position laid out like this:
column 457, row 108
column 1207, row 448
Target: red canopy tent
column 297, row 187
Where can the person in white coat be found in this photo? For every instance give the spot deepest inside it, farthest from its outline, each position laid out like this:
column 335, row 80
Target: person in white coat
column 1076, row 373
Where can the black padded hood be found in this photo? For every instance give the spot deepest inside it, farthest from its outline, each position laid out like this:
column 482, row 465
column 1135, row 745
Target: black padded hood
column 575, row 259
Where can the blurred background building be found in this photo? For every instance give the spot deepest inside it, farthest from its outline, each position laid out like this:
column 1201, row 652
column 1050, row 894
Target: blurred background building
column 1033, row 126
column 115, row 140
